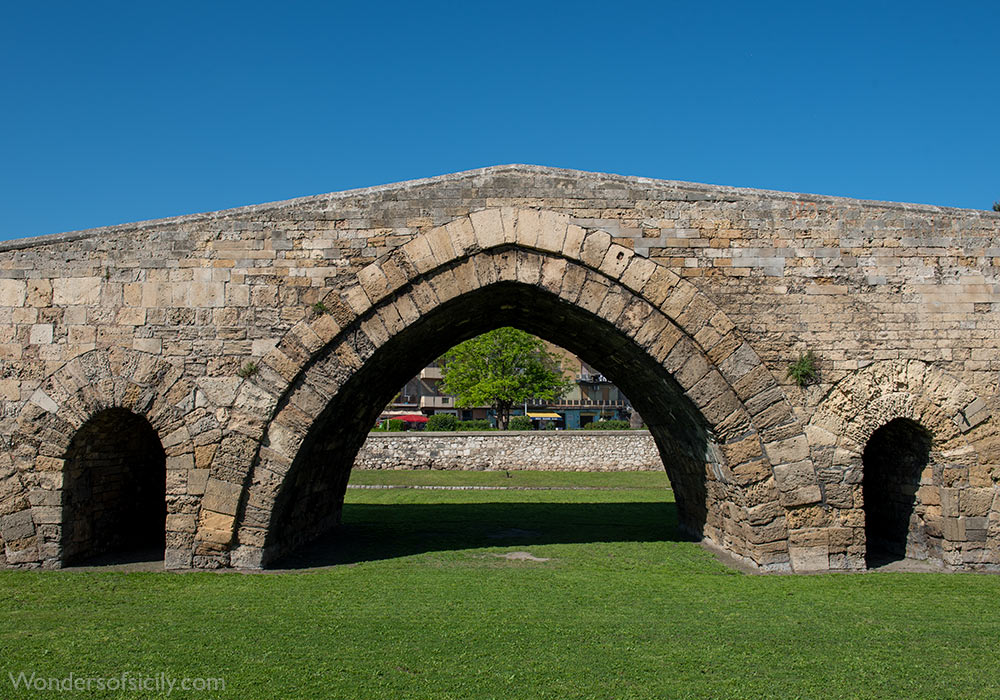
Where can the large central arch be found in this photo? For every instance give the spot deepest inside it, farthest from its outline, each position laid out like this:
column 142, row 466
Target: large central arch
column 736, row 456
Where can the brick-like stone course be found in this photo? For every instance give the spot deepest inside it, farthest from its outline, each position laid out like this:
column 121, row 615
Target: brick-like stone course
column 592, row 450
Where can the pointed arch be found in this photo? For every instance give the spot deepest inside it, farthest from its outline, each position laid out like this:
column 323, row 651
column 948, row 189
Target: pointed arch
column 758, row 466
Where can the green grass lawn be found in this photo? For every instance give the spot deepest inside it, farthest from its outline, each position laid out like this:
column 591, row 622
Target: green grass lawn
column 516, row 478
column 420, row 603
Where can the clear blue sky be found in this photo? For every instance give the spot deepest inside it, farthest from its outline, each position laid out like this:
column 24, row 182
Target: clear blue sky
column 115, row 112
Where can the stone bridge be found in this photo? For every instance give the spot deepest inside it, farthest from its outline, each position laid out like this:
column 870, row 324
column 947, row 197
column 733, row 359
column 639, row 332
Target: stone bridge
column 202, row 384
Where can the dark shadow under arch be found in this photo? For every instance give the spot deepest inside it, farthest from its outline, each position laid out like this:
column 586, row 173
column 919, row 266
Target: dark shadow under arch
column 373, row 532
column 114, row 491
column 895, row 456
column 311, row 496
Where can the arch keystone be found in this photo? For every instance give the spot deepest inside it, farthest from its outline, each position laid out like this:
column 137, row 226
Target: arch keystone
column 509, row 216
column 613, row 306
column 553, row 270
column 529, row 267
column 552, row 231
column 528, row 227
column 488, row 228
column 572, row 283
column 462, row 235
column 595, row 288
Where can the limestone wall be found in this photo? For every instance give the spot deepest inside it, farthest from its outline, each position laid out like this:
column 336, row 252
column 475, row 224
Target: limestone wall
column 207, row 325
column 592, row 450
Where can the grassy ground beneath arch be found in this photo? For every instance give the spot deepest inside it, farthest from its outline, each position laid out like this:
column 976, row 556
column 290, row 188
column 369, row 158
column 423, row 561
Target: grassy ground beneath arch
column 527, row 593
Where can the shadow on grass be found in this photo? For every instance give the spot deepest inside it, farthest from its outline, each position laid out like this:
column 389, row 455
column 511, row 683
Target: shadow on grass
column 373, row 532
column 147, row 559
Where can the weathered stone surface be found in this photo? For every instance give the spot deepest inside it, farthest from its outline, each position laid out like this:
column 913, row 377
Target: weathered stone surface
column 17, row 526
column 232, row 333
column 805, row 559
column 795, row 475
column 76, row 290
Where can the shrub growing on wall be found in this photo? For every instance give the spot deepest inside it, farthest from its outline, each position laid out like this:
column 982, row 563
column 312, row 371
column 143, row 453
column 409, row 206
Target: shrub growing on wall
column 804, row 370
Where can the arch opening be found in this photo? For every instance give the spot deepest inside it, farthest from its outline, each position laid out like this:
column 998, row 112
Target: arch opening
column 114, row 491
column 894, row 460
column 310, row 497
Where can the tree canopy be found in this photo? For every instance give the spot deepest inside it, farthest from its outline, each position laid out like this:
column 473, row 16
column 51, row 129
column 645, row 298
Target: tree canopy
column 500, row 369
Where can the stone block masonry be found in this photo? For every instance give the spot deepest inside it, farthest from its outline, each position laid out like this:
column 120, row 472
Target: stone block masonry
column 593, row 450
column 256, row 346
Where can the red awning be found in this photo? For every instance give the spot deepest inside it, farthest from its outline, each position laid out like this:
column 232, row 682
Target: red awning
column 411, row 418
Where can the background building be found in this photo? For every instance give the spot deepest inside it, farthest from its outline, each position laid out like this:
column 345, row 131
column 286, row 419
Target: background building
column 592, row 397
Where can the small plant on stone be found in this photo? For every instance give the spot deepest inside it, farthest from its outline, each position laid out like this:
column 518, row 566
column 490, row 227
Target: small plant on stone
column 996, row 206
column 248, row 370
column 804, row 370
column 320, row 308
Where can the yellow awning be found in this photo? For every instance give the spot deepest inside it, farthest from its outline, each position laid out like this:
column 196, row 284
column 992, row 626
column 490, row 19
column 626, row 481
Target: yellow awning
column 544, row 415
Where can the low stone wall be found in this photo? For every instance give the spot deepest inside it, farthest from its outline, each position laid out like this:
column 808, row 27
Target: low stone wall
column 590, row 450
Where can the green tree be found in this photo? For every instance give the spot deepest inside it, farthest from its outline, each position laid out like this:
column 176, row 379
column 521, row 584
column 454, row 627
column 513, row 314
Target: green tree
column 500, row 369
column 996, row 206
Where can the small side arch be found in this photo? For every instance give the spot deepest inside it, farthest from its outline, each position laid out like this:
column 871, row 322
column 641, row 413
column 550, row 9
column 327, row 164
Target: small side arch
column 114, row 489
column 891, row 443
column 123, row 382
